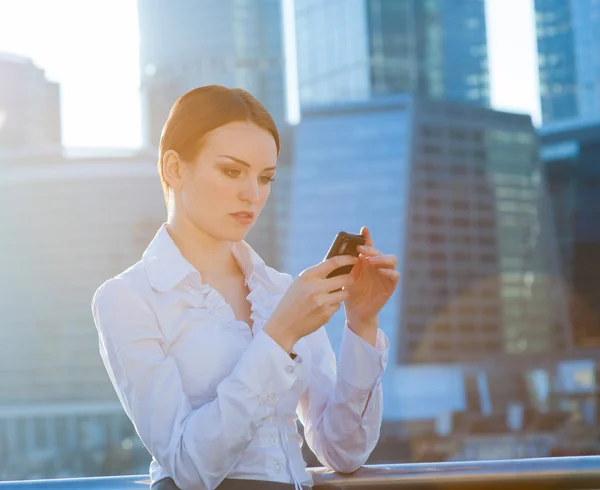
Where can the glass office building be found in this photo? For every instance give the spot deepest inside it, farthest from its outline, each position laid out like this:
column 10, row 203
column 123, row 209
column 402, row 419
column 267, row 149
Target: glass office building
column 190, row 43
column 568, row 40
column 351, row 50
column 570, row 152
column 332, row 50
column 455, row 191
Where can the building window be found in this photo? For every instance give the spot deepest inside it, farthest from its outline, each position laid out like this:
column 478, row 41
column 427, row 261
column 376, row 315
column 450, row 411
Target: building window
column 460, row 205
column 438, row 274
column 440, row 345
column 432, row 150
column 435, row 238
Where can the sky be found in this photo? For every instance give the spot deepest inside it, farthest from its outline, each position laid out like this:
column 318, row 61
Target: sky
column 91, row 48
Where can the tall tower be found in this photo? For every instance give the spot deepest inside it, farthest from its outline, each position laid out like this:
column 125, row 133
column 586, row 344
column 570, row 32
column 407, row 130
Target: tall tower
column 353, row 49
column 568, row 40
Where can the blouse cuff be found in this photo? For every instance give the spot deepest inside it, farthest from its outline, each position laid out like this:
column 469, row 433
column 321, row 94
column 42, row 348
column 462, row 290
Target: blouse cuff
column 266, row 369
column 361, row 365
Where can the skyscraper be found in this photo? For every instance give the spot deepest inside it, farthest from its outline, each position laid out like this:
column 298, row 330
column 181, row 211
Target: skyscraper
column 353, row 49
column 236, row 43
column 67, row 227
column 190, row 43
column 29, row 109
column 570, row 152
column 54, row 254
column 568, row 40
column 456, row 192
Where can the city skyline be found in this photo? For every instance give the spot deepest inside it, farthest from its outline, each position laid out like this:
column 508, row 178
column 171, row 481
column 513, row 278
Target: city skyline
column 493, row 331
column 111, row 63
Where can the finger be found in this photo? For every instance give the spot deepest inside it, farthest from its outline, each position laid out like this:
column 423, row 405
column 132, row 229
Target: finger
column 393, row 274
column 364, row 231
column 326, row 267
column 368, row 251
column 387, row 261
column 338, row 282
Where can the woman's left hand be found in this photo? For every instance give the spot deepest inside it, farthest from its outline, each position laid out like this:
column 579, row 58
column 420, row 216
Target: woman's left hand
column 376, row 279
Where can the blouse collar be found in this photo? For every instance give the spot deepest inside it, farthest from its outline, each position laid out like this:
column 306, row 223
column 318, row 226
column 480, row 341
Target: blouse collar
column 166, row 267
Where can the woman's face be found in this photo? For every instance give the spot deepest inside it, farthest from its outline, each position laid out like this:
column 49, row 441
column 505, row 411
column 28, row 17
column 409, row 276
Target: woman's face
column 225, row 188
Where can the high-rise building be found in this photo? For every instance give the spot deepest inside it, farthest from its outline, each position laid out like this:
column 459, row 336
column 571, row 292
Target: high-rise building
column 456, row 192
column 353, row 49
column 76, row 225
column 236, row 43
column 67, row 227
column 568, row 42
column 29, row 109
column 570, row 152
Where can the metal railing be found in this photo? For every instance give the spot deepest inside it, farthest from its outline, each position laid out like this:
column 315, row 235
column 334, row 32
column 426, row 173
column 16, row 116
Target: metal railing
column 568, row 473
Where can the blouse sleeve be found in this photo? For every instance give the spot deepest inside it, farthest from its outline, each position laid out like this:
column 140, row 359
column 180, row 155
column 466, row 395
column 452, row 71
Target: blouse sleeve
column 342, row 413
column 196, row 447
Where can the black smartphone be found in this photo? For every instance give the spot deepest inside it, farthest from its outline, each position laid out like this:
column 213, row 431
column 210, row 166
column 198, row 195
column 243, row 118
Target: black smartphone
column 344, row 244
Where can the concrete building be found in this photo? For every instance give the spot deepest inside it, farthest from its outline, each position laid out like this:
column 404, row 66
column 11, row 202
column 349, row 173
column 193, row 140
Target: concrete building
column 67, row 227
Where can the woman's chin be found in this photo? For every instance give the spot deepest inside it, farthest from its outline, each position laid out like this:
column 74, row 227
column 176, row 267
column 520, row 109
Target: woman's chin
column 235, row 235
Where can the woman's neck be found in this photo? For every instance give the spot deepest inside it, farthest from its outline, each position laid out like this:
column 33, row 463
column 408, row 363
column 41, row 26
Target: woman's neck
column 211, row 257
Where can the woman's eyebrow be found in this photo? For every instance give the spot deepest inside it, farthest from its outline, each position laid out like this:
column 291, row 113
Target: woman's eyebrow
column 242, row 162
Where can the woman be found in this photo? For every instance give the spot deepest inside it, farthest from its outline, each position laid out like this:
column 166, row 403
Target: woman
column 210, row 351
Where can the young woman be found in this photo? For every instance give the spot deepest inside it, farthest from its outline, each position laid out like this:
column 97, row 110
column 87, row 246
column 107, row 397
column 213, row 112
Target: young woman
column 214, row 355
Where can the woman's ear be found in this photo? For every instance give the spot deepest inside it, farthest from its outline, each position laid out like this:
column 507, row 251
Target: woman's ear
column 171, row 168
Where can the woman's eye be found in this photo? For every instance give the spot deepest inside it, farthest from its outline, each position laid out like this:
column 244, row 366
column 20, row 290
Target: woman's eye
column 232, row 172
column 266, row 180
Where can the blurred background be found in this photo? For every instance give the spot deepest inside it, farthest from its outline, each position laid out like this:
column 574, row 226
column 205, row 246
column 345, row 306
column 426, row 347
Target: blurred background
column 464, row 133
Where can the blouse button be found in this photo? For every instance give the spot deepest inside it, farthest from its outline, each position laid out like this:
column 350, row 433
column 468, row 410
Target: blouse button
column 279, row 467
column 273, row 441
column 289, row 369
column 271, row 398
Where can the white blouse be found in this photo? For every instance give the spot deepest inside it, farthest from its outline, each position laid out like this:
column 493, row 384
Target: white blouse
column 212, row 399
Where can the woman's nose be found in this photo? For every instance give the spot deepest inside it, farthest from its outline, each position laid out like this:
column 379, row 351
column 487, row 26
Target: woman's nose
column 251, row 191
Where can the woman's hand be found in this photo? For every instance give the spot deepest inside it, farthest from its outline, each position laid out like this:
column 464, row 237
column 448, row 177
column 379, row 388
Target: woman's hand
column 310, row 302
column 375, row 279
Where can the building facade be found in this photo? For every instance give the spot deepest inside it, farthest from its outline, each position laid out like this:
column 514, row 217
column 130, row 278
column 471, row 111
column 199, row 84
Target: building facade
column 456, row 192
column 68, row 440
column 30, row 121
column 570, row 152
column 352, row 50
column 568, row 41
column 237, row 43
column 78, row 224
column 67, row 228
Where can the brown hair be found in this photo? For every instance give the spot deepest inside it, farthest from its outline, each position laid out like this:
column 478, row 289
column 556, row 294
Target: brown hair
column 202, row 110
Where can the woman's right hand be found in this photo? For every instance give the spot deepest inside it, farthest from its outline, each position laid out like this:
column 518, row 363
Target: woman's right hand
column 310, row 302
